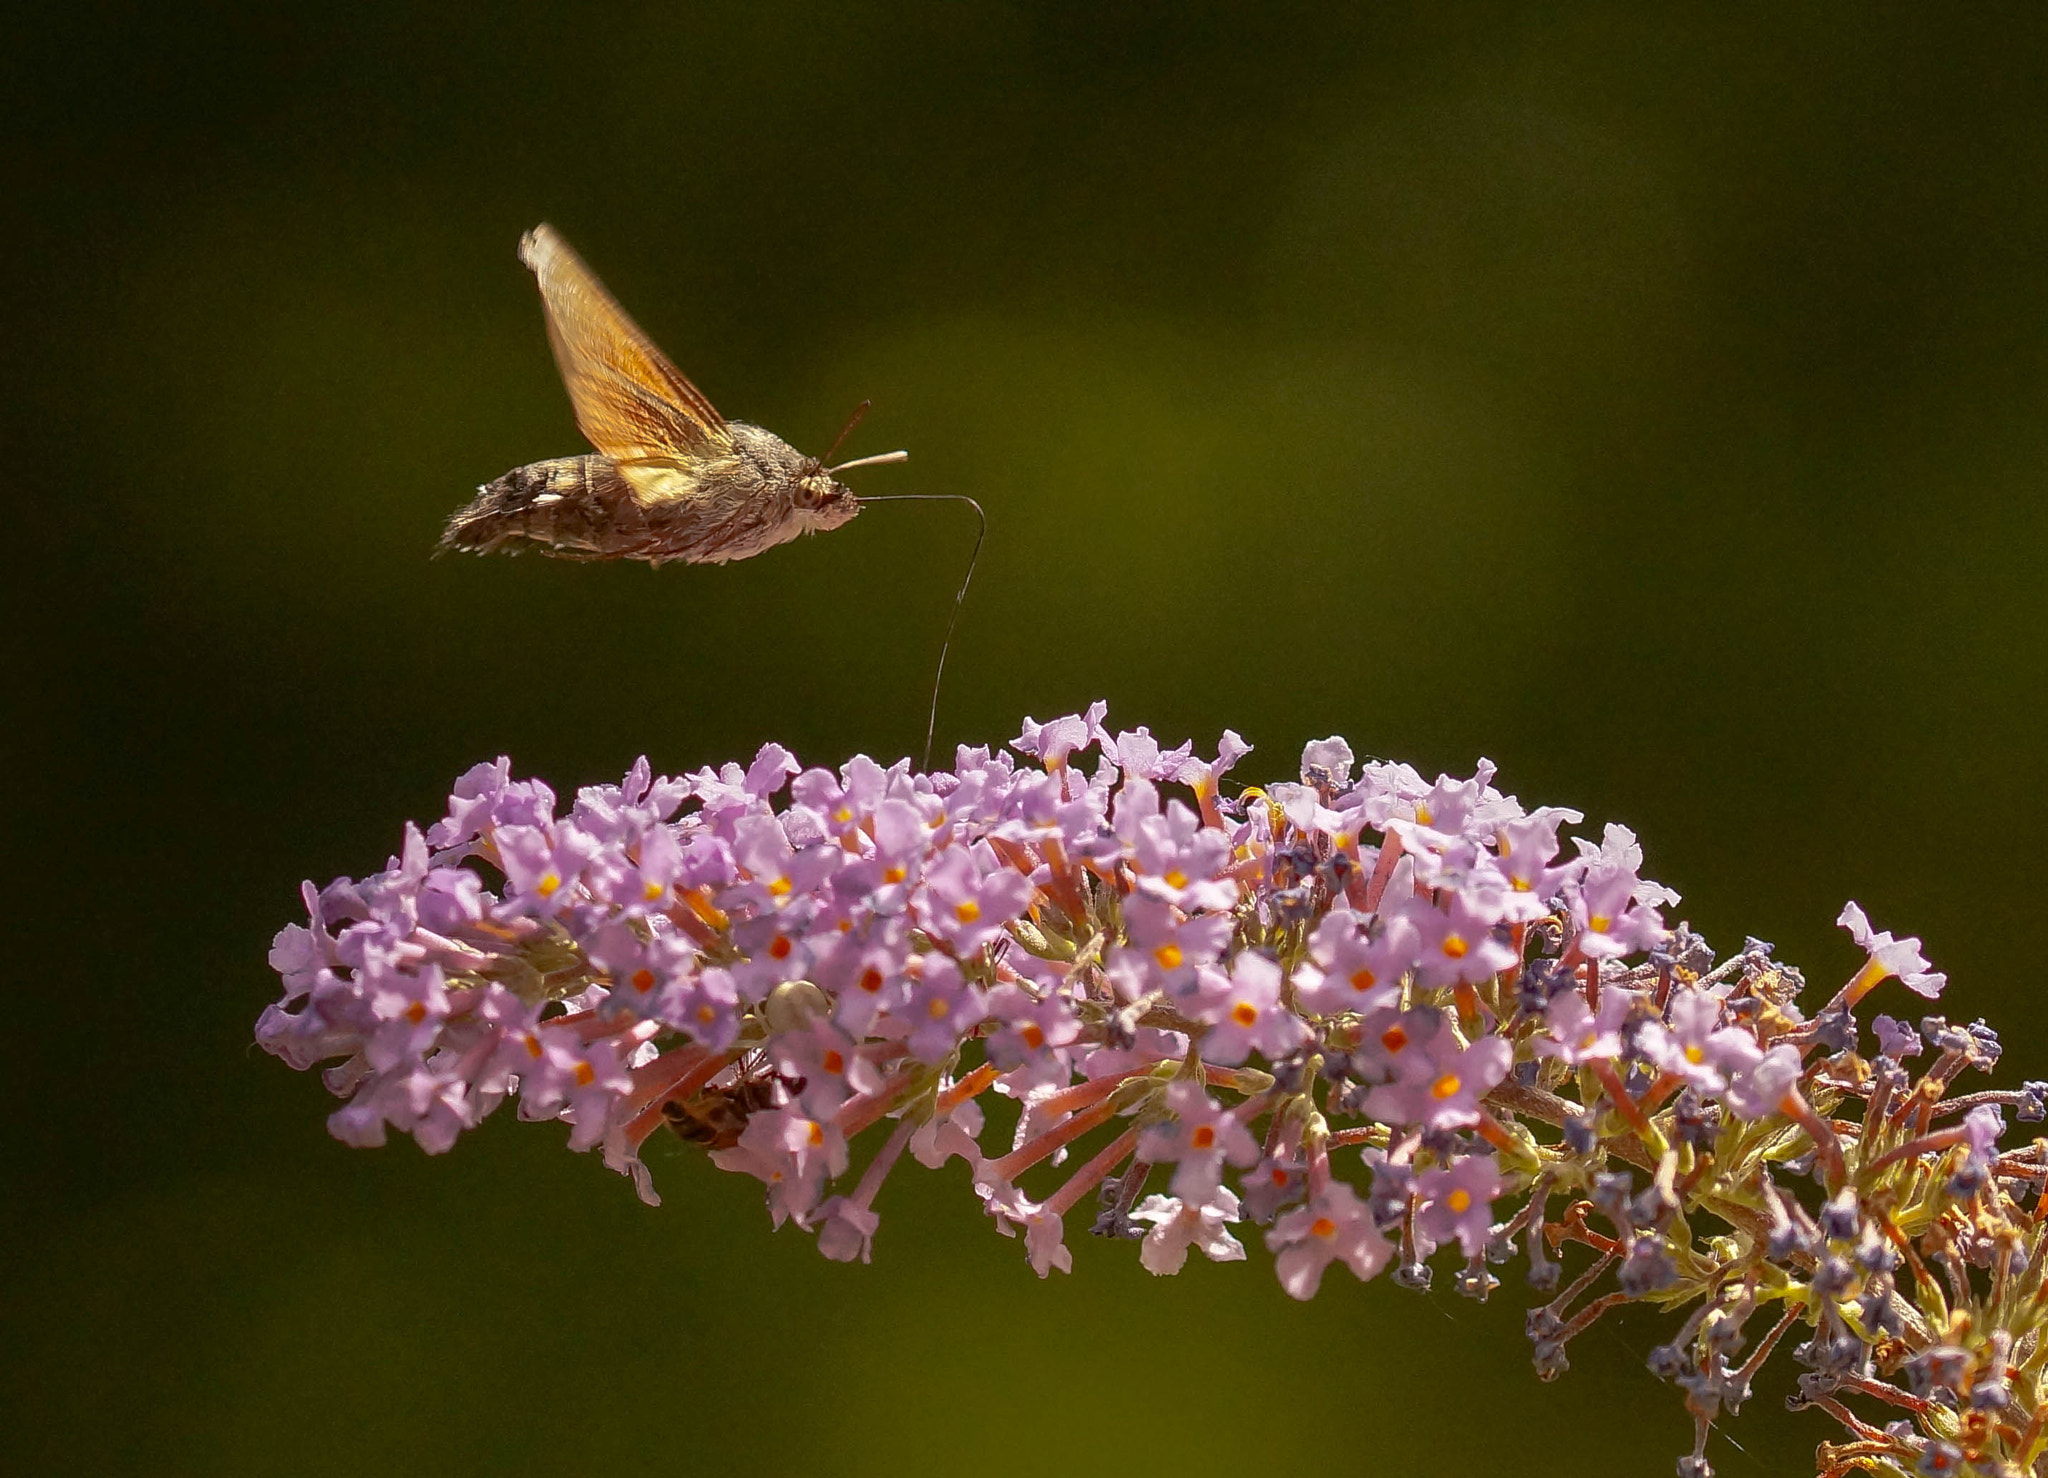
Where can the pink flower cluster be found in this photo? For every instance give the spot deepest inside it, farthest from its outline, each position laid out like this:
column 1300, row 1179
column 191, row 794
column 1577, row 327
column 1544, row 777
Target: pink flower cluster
column 1211, row 1002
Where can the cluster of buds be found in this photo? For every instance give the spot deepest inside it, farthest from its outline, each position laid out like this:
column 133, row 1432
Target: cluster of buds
column 1381, row 1018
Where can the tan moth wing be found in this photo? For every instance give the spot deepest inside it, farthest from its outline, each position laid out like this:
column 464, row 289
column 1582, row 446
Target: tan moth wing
column 632, row 404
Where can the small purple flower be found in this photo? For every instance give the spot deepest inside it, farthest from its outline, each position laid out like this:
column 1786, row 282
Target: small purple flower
column 1455, row 944
column 1355, row 972
column 1457, row 1203
column 1179, row 1224
column 1440, row 1086
column 706, row 1006
column 1051, row 743
column 1527, row 847
column 966, row 907
column 1029, row 1045
column 1200, row 1139
column 1888, row 956
column 1694, row 1045
column 543, row 866
column 829, row 1065
column 1982, row 1127
column 1578, row 1034
column 1756, row 1091
column 1044, row 1235
column 1271, row 1185
column 943, row 1008
column 1607, row 919
column 1245, row 1014
column 1166, row 949
column 1334, row 1226
column 1895, row 1039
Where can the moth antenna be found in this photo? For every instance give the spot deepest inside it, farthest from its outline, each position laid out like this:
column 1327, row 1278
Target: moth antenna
column 875, row 461
column 847, row 430
column 939, row 677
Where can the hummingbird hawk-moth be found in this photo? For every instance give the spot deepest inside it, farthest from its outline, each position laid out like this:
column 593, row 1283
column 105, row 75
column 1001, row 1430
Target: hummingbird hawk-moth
column 671, row 479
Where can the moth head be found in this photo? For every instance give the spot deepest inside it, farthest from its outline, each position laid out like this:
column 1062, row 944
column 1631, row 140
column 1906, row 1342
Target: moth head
column 823, row 500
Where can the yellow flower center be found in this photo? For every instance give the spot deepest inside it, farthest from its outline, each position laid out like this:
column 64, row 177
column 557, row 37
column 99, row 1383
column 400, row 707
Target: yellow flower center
column 1446, row 1086
column 1598, row 923
column 967, row 910
column 1455, row 946
column 650, row 890
column 937, row 1009
column 779, row 888
column 548, row 883
column 894, row 875
column 1459, row 1200
column 1176, row 879
column 1168, row 955
column 585, row 1075
column 1695, row 1055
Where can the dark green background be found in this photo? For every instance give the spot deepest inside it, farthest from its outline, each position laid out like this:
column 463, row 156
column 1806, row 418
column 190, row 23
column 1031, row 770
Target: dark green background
column 1650, row 400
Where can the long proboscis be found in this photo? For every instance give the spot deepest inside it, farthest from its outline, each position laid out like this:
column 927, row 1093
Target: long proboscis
column 960, row 599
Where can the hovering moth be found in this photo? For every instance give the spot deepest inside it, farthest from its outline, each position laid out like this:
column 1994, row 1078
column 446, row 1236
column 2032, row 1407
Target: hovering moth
column 671, row 479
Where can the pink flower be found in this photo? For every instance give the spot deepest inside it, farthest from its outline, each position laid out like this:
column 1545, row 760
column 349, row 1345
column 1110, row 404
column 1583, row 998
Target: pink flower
column 1888, row 957
column 1334, row 1226
column 1440, row 1085
column 1245, row 1015
column 1200, row 1139
column 1457, row 1203
column 1178, row 1225
column 1355, row 972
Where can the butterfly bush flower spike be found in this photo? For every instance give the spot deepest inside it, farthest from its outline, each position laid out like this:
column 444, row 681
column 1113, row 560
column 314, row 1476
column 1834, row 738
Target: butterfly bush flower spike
column 1383, row 1021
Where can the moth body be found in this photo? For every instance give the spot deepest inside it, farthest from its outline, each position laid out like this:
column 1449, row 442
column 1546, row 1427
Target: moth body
column 761, row 493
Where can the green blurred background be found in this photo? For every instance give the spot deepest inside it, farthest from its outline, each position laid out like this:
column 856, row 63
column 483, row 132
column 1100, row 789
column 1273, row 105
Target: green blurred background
column 1648, row 399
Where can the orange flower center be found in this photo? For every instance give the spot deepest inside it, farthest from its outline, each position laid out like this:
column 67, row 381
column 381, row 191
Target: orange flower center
column 1244, row 1013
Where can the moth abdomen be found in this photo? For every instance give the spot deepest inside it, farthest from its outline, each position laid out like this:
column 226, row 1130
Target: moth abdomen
column 570, row 507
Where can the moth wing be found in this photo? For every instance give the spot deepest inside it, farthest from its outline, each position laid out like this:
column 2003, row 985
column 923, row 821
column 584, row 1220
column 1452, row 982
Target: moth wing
column 632, row 404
